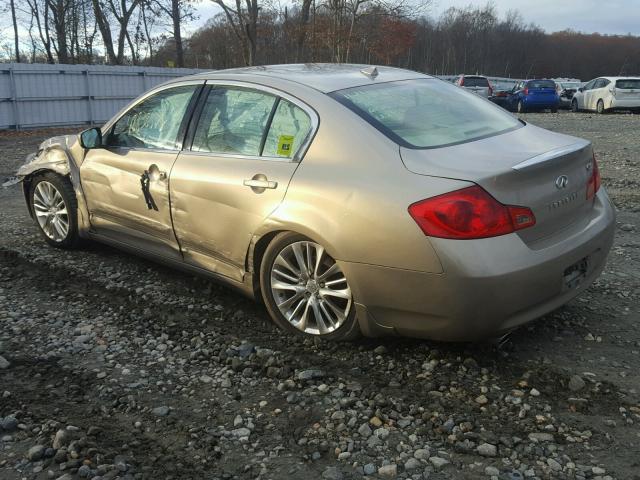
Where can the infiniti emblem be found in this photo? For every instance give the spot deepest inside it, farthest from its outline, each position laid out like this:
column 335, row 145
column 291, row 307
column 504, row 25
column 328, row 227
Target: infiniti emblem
column 562, row 181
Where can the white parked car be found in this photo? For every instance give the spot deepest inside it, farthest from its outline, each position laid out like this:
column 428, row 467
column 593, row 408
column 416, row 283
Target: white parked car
column 608, row 93
column 475, row 83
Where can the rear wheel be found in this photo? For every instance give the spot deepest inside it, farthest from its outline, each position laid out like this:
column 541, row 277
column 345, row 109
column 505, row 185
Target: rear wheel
column 521, row 107
column 55, row 209
column 600, row 107
column 554, row 109
column 305, row 290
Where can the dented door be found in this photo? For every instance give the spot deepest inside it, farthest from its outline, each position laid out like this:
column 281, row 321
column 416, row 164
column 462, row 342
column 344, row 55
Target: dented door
column 126, row 183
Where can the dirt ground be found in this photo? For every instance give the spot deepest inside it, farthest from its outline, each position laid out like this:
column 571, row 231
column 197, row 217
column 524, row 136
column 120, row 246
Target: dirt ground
column 115, row 367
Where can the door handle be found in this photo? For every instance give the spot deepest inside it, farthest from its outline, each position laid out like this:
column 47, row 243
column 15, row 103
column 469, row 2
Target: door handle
column 155, row 173
column 260, row 184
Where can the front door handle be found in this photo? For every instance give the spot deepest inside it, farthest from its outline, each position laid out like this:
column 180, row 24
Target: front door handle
column 259, row 183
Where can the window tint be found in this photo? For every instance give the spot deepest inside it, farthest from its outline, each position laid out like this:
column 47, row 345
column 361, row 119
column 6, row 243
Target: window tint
column 233, row 120
column 590, row 85
column 476, row 82
column 541, row 84
column 628, row 84
column 289, row 129
column 426, row 113
column 154, row 122
column 599, row 83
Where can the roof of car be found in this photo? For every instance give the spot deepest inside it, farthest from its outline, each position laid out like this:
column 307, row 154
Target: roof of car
column 630, row 77
column 325, row 77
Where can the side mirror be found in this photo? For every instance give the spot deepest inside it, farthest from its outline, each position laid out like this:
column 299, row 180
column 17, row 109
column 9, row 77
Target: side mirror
column 91, row 138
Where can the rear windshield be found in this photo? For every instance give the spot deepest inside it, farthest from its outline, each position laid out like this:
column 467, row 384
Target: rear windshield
column 541, row 84
column 476, row 82
column 628, row 84
column 426, row 113
column 574, row 85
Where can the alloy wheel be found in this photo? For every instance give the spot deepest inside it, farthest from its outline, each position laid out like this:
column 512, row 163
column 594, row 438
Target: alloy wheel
column 309, row 288
column 51, row 211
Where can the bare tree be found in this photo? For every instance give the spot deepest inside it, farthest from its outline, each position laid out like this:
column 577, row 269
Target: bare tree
column 244, row 22
column 15, row 29
column 122, row 11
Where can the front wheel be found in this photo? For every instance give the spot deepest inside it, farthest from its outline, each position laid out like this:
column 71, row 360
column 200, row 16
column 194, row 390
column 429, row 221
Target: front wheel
column 305, row 291
column 574, row 106
column 55, row 208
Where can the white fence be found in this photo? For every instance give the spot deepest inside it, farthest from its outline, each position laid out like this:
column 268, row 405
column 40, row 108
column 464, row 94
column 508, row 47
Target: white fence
column 42, row 95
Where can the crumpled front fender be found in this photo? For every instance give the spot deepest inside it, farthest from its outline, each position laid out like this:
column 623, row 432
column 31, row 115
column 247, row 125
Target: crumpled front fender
column 62, row 155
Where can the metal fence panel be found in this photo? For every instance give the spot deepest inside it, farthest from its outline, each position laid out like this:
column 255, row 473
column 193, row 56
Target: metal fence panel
column 41, row 95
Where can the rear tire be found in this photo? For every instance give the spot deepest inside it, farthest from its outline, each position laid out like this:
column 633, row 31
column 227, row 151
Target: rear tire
column 600, row 107
column 521, row 108
column 554, row 109
column 309, row 298
column 54, row 207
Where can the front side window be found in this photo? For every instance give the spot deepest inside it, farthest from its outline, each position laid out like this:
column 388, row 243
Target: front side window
column 426, row 113
column 288, row 131
column 233, row 121
column 154, row 122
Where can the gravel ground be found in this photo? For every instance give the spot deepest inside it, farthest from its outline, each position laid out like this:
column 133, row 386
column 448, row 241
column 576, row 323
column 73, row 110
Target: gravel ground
column 116, row 367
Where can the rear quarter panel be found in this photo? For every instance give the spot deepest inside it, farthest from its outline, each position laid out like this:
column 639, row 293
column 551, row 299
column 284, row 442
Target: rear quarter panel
column 351, row 194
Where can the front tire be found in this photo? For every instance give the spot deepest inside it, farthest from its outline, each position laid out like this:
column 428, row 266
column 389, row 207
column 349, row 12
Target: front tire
column 305, row 291
column 574, row 106
column 54, row 207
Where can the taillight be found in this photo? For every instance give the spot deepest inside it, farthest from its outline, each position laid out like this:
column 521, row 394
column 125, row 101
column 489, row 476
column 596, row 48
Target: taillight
column 467, row 214
column 462, row 82
column 526, row 90
column 490, row 88
column 593, row 185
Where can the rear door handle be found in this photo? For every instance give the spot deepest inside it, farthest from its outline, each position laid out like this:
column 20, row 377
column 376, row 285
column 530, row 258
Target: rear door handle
column 260, row 183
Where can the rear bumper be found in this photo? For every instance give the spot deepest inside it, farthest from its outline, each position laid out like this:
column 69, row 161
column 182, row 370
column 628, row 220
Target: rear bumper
column 489, row 286
column 623, row 103
column 541, row 102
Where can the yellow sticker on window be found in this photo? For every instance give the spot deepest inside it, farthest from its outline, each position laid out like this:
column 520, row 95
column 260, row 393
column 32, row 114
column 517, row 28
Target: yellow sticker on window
column 285, row 145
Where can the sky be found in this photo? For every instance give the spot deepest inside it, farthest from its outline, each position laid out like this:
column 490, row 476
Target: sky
column 604, row 16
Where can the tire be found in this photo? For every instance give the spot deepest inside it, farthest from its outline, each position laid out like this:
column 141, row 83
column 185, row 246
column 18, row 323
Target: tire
column 554, row 109
column 520, row 107
column 574, row 106
column 301, row 297
column 600, row 107
column 54, row 208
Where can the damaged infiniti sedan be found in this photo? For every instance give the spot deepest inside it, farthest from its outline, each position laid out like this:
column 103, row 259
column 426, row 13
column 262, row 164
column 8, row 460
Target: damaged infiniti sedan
column 349, row 199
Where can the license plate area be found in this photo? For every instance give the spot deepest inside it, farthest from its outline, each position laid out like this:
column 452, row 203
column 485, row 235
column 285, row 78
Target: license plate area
column 576, row 273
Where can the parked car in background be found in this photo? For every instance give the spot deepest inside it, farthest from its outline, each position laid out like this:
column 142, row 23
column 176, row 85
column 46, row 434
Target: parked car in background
column 566, row 88
column 373, row 200
column 476, row 83
column 529, row 95
column 501, row 91
column 608, row 93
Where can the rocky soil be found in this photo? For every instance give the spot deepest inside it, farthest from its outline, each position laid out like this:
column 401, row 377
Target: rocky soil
column 116, row 367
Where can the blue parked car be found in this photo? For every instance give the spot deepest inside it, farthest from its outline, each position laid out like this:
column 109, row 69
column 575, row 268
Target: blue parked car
column 531, row 95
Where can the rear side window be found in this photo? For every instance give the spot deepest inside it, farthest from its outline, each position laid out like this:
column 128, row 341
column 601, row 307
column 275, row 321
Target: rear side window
column 289, row 129
column 426, row 113
column 476, row 82
column 541, row 84
column 233, row 121
column 628, row 84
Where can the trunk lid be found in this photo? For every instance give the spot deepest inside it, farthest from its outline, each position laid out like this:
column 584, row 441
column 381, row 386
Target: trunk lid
column 531, row 167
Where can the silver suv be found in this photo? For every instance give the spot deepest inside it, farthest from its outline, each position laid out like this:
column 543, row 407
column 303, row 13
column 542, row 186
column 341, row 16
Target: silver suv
column 476, row 83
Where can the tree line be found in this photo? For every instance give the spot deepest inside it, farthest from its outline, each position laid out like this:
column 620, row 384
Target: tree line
column 474, row 39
